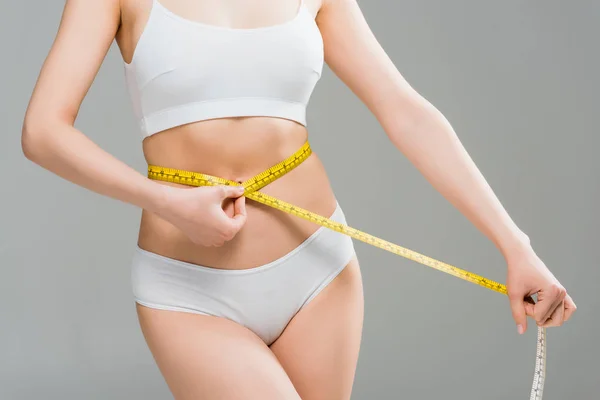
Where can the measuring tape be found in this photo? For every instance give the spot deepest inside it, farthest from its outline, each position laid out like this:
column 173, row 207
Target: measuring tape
column 254, row 184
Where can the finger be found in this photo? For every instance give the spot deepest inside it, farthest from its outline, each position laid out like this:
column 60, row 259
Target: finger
column 550, row 310
column 559, row 314
column 240, row 205
column 543, row 307
column 228, row 206
column 548, row 300
column 570, row 307
column 517, row 306
column 231, row 191
column 557, row 317
column 529, row 306
column 559, row 297
column 239, row 219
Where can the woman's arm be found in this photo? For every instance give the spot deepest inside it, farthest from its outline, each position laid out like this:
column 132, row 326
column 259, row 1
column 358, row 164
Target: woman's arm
column 49, row 138
column 426, row 138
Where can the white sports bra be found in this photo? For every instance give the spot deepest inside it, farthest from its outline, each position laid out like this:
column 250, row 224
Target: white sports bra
column 184, row 71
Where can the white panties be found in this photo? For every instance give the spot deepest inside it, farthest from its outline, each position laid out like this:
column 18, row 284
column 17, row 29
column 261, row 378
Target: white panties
column 264, row 299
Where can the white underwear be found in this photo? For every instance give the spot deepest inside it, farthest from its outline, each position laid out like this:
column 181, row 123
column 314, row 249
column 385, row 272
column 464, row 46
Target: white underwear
column 264, row 299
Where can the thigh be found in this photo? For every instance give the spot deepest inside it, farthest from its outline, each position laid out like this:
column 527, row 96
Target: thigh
column 319, row 347
column 206, row 357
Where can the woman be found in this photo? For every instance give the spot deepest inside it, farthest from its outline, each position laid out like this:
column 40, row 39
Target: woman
column 238, row 300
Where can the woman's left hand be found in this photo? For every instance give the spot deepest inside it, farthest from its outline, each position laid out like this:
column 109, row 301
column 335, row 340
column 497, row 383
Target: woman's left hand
column 528, row 275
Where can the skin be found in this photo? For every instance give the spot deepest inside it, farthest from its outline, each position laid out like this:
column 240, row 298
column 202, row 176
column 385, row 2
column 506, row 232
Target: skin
column 315, row 357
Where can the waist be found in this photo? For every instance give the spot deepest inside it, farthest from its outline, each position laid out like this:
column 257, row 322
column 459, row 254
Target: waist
column 232, row 148
column 239, row 154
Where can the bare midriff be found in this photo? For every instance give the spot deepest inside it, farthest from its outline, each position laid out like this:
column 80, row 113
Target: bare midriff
column 237, row 149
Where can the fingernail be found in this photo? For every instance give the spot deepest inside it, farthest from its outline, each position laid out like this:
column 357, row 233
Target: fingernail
column 520, row 329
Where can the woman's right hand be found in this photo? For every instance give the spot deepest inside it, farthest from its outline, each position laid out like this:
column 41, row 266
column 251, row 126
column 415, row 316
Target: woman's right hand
column 199, row 212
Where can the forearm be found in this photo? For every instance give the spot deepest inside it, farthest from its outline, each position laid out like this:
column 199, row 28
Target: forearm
column 427, row 139
column 65, row 151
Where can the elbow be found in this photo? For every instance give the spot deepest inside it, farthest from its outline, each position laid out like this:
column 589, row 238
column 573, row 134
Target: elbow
column 34, row 136
column 29, row 131
column 409, row 117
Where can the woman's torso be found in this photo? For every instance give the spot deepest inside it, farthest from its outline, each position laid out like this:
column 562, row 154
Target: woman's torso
column 235, row 148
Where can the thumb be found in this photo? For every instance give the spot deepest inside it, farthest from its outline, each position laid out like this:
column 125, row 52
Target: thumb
column 239, row 219
column 517, row 306
column 231, row 191
column 240, row 207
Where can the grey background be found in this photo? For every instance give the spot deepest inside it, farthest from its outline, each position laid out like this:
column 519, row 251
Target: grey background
column 519, row 82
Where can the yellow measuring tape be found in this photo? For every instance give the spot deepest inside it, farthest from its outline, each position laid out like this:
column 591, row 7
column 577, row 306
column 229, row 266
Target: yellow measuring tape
column 254, row 184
